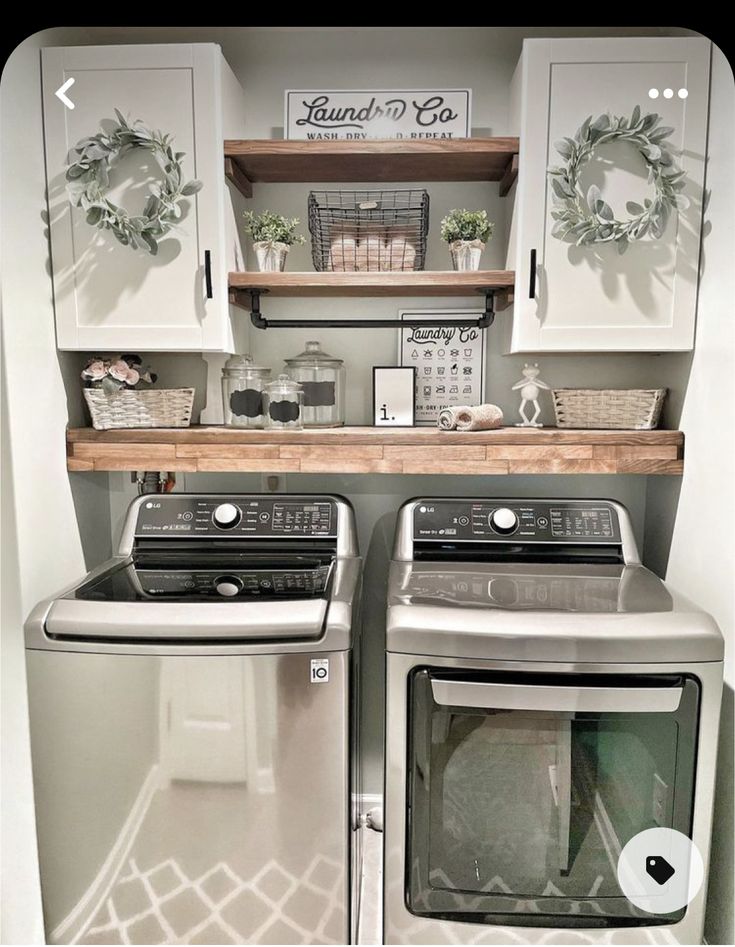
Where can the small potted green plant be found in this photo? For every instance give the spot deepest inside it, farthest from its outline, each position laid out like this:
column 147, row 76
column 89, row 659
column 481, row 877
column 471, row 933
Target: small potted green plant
column 466, row 232
column 273, row 236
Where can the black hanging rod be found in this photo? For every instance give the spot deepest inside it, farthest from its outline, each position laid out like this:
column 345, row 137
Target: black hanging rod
column 260, row 322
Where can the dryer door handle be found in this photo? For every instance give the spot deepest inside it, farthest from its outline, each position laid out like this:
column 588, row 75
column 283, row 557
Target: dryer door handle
column 491, row 696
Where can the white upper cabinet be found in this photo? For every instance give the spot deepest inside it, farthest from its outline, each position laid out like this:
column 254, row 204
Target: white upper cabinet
column 592, row 297
column 111, row 297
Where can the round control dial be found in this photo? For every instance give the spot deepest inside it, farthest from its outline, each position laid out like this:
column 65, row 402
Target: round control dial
column 226, row 515
column 227, row 585
column 503, row 521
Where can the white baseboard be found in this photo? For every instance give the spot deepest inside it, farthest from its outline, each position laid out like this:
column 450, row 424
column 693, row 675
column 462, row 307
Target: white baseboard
column 368, row 800
column 72, row 927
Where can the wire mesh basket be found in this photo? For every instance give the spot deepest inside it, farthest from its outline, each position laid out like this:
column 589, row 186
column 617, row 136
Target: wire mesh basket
column 369, row 230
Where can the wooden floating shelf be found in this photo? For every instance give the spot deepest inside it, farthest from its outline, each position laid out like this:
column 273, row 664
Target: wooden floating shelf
column 408, row 283
column 272, row 161
column 378, row 450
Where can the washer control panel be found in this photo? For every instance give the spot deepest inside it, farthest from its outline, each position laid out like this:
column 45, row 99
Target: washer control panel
column 547, row 521
column 270, row 517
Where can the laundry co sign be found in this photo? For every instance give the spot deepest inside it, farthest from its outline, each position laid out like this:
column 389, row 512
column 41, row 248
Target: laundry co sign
column 394, row 113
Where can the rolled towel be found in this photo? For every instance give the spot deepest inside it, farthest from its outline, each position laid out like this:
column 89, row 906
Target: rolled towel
column 481, row 417
column 400, row 252
column 370, row 251
column 343, row 252
column 448, row 417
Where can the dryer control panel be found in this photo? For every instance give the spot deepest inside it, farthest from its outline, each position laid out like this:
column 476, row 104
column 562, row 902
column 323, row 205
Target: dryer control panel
column 528, row 521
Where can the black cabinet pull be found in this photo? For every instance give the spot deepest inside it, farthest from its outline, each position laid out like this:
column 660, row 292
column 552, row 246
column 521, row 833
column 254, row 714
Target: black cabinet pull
column 208, row 273
column 532, row 278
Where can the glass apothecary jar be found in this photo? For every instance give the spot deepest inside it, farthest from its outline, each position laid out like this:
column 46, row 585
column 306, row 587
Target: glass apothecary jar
column 283, row 404
column 322, row 377
column 242, row 391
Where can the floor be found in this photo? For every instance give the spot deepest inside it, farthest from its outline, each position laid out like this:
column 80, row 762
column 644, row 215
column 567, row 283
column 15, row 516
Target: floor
column 200, row 885
column 370, row 922
column 175, row 888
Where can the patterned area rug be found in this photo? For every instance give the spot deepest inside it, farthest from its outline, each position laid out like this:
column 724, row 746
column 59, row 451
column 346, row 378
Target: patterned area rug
column 162, row 905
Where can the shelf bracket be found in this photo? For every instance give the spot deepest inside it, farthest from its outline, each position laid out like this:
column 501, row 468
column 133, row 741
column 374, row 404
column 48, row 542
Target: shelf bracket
column 234, row 173
column 260, row 322
column 509, row 176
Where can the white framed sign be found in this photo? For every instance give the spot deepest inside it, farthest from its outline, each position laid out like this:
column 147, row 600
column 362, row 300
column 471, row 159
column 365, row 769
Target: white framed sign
column 356, row 114
column 393, row 396
column 449, row 360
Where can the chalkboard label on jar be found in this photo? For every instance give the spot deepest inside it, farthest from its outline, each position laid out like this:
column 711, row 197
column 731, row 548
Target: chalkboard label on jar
column 284, row 411
column 247, row 403
column 318, row 394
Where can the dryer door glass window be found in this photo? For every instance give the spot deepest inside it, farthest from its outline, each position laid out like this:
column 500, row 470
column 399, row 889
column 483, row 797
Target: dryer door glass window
column 524, row 789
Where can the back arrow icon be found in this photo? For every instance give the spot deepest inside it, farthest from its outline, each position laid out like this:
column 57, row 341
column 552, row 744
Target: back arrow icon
column 62, row 89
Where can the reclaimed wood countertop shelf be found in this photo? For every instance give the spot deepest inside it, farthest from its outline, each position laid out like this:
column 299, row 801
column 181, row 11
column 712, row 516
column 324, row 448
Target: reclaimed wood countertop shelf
column 381, row 161
column 405, row 283
column 419, row 450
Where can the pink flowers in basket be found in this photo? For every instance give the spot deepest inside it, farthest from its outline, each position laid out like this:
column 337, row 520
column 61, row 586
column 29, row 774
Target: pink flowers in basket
column 116, row 373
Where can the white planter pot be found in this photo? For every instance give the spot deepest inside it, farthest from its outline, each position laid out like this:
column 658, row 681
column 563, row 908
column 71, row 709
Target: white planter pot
column 466, row 254
column 271, row 255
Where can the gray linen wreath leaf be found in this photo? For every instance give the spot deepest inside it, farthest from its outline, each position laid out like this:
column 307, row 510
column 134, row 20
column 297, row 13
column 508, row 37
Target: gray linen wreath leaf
column 587, row 218
column 88, row 179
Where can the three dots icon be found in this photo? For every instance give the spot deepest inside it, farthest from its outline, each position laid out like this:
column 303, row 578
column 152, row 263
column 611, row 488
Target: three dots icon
column 667, row 93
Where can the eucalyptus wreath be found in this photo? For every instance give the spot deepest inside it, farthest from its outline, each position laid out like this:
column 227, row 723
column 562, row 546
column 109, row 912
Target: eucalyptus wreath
column 88, row 179
column 588, row 218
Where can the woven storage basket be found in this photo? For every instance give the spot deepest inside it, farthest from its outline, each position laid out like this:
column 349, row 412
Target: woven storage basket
column 637, row 409
column 163, row 407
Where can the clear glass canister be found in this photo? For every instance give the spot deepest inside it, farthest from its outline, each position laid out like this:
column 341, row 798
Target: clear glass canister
column 282, row 403
column 322, row 376
column 242, row 391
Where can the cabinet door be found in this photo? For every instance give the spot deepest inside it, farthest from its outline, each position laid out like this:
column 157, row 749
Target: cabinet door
column 593, row 298
column 108, row 296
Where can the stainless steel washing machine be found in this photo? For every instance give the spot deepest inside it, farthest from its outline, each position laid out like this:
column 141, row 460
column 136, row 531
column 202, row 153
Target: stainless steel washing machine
column 190, row 708
column 548, row 698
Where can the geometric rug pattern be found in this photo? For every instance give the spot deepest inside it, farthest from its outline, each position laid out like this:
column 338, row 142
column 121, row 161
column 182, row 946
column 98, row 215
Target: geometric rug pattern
column 162, row 905
column 420, row 930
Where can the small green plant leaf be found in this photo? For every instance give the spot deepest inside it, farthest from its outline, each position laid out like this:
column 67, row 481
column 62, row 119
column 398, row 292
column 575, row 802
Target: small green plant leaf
column 192, row 188
column 564, row 148
column 593, row 196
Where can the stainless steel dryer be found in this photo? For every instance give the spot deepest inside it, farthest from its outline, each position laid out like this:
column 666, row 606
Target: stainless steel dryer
column 190, row 727
column 548, row 698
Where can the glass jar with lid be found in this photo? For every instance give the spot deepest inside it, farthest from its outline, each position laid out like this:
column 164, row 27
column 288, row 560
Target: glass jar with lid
column 242, row 391
column 282, row 404
column 322, row 377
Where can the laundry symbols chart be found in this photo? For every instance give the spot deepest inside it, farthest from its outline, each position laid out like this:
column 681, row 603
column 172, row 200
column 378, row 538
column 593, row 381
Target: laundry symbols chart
column 449, row 360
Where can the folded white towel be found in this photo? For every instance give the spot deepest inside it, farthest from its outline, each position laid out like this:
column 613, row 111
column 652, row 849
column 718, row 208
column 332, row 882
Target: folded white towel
column 481, row 417
column 448, row 417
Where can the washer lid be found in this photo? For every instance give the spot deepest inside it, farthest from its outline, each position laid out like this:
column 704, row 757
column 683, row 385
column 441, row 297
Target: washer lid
column 166, row 600
column 557, row 613
column 175, row 621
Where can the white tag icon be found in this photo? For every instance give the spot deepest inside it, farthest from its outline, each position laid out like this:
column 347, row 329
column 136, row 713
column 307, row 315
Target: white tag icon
column 319, row 670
